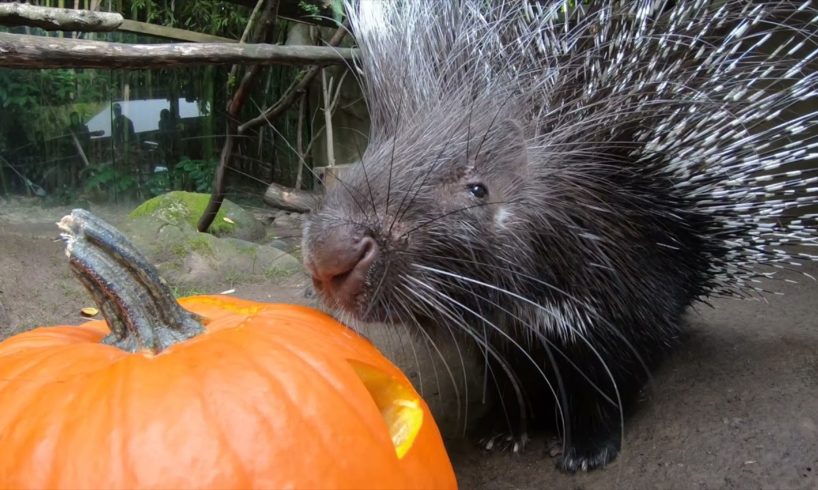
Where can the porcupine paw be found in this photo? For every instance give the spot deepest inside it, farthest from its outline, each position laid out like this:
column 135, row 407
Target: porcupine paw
column 588, row 456
column 505, row 441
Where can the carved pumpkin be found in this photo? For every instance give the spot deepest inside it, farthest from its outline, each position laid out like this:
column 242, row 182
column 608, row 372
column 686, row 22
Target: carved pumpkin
column 236, row 395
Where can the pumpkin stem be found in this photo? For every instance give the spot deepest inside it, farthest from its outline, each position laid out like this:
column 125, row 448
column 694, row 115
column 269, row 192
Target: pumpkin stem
column 137, row 304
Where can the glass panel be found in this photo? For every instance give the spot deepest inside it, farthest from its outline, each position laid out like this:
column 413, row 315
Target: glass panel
column 127, row 135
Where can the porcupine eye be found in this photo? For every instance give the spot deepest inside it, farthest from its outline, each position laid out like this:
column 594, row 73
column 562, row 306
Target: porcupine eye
column 478, row 190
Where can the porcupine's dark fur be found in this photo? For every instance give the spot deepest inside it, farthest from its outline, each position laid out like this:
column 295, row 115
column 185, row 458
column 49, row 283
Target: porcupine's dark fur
column 636, row 157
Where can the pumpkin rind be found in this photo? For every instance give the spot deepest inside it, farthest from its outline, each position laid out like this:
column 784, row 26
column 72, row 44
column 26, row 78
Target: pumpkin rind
column 265, row 398
column 214, row 393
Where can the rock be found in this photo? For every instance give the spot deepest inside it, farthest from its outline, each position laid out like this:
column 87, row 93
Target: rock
column 178, row 207
column 201, row 262
column 283, row 221
column 279, row 244
column 277, row 263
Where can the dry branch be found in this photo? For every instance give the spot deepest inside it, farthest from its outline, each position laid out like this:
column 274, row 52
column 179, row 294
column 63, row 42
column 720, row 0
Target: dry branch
column 263, row 21
column 57, row 19
column 299, row 141
column 297, row 200
column 23, row 51
column 173, row 33
column 298, row 86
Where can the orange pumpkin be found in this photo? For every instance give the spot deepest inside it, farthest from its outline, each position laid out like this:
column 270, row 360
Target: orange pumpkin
column 263, row 396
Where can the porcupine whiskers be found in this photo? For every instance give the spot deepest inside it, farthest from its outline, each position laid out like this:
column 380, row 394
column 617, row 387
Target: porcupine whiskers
column 406, row 300
column 448, row 307
column 522, row 405
column 430, row 313
column 516, row 296
column 510, row 269
column 423, row 301
column 401, row 303
column 499, row 307
column 427, row 288
column 532, row 333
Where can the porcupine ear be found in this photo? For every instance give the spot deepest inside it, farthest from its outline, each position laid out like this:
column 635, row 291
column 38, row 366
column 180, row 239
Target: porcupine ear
column 502, row 148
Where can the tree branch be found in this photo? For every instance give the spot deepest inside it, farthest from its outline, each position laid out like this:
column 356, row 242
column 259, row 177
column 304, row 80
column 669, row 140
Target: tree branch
column 57, row 19
column 266, row 27
column 23, row 51
column 292, row 93
column 174, row 34
column 296, row 88
column 299, row 141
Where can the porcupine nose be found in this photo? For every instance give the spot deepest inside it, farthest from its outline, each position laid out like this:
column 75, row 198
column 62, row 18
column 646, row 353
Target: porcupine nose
column 339, row 264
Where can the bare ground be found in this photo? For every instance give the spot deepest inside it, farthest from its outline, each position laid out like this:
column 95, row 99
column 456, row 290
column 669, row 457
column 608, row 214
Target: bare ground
column 736, row 406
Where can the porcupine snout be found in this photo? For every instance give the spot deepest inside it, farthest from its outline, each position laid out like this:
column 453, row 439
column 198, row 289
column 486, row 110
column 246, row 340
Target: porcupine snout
column 339, row 261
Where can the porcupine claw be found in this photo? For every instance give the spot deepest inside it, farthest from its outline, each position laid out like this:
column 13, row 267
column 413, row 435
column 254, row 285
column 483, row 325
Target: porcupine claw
column 505, row 441
column 576, row 458
column 582, row 457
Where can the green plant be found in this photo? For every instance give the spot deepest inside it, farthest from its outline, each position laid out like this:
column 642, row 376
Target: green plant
column 309, row 8
column 195, row 175
column 201, row 245
column 158, row 183
column 233, row 278
column 184, row 292
column 179, row 250
column 277, row 273
column 217, row 17
column 39, row 103
column 188, row 175
column 109, row 181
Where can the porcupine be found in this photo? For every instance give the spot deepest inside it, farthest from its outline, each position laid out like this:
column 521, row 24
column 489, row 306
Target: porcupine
column 559, row 183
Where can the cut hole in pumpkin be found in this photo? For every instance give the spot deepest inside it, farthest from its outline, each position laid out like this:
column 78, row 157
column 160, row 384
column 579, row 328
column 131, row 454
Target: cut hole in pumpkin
column 399, row 405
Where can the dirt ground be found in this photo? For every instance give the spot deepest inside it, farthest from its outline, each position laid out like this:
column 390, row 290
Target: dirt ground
column 736, row 407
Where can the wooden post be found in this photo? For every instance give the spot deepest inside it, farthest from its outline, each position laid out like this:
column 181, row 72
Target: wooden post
column 36, row 52
column 58, row 19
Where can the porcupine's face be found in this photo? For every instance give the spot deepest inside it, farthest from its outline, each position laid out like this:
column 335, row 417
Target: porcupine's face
column 414, row 227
